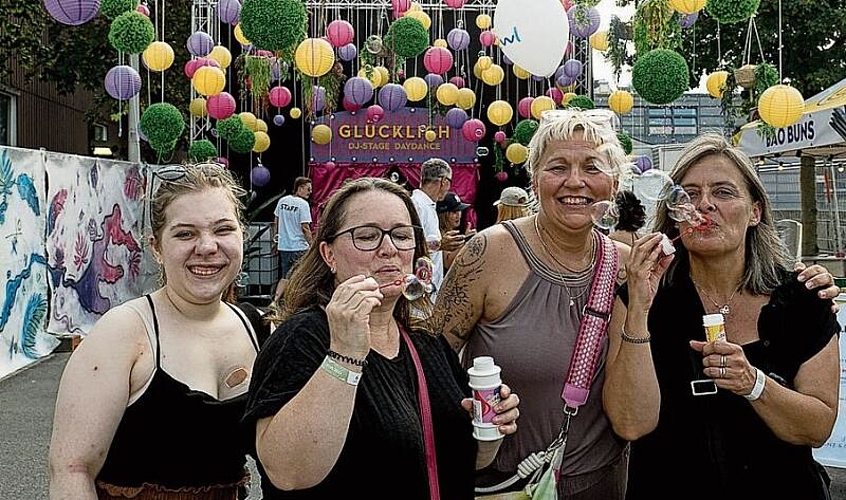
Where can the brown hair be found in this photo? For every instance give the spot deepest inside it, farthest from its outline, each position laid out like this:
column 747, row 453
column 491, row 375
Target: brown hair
column 508, row 212
column 300, row 182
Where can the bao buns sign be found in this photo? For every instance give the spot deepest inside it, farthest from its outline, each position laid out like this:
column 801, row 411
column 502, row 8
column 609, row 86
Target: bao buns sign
column 532, row 34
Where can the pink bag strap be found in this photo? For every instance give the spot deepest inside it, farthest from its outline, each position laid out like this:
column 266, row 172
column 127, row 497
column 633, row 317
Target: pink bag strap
column 593, row 327
column 425, row 419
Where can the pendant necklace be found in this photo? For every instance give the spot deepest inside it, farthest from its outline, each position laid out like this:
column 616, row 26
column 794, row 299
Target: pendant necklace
column 561, row 265
column 725, row 309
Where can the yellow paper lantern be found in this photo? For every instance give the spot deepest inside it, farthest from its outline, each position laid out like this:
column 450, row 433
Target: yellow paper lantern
column 599, row 40
column 249, row 120
column 209, row 80
column 440, row 42
column 421, row 16
column 781, row 106
column 520, row 72
column 197, row 107
column 493, row 75
column 375, row 77
column 321, row 134
column 516, row 153
column 415, row 88
column 687, row 6
column 314, row 56
column 430, row 135
column 384, row 75
column 568, row 96
column 158, row 56
column 239, row 35
column 466, row 98
column 262, row 142
column 541, row 104
column 447, row 94
column 477, row 70
column 222, row 55
column 483, row 21
column 415, row 6
column 261, row 125
column 500, row 113
column 484, row 62
column 295, row 113
column 620, row 101
column 715, row 83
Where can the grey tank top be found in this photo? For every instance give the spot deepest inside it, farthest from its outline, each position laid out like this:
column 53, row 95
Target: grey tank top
column 532, row 341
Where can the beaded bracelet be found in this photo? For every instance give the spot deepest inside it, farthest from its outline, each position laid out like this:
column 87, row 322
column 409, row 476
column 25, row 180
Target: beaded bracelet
column 347, row 359
column 634, row 340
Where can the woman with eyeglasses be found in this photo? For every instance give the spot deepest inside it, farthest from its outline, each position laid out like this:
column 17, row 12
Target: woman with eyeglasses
column 335, row 401
column 149, row 405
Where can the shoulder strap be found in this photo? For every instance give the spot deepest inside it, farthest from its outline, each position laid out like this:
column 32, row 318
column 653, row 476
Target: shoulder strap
column 156, row 332
column 247, row 326
column 594, row 324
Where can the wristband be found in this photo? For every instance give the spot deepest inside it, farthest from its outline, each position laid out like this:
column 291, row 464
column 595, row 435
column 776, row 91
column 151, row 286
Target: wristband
column 634, row 340
column 339, row 372
column 348, row 359
column 758, row 388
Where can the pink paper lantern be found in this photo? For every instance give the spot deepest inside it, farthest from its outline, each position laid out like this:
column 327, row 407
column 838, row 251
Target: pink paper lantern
column 499, row 136
column 194, row 64
column 220, row 106
column 487, row 38
column 72, row 12
column 143, row 10
column 222, row 161
column 455, row 4
column 457, row 81
column 473, row 130
column 556, row 94
column 279, row 96
column 351, row 106
column 501, row 176
column 375, row 113
column 399, row 7
column 340, row 33
column 524, row 107
column 437, row 60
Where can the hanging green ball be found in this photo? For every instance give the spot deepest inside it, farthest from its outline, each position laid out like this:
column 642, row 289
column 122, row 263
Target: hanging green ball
column 243, row 142
column 274, row 24
column 111, row 9
column 407, row 37
column 581, row 102
column 524, row 131
column 732, row 11
column 202, row 150
column 131, row 32
column 660, row 76
column 162, row 124
column 229, row 127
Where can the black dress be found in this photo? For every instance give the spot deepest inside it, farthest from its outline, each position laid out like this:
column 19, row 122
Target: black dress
column 383, row 456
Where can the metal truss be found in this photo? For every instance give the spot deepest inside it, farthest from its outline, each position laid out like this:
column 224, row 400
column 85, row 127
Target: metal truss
column 584, row 53
column 203, row 18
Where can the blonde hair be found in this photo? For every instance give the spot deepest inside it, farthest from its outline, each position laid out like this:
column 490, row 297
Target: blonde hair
column 508, row 212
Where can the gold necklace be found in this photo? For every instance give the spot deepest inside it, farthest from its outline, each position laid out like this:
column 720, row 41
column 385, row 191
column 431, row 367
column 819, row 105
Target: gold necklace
column 560, row 264
column 724, row 309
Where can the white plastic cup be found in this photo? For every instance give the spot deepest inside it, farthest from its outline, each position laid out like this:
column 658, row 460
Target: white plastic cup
column 485, row 382
column 715, row 327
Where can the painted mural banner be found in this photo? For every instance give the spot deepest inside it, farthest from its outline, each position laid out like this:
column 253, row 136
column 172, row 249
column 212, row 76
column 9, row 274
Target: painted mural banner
column 399, row 137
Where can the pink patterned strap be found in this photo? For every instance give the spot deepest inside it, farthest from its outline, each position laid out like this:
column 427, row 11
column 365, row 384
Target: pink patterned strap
column 426, row 420
column 594, row 325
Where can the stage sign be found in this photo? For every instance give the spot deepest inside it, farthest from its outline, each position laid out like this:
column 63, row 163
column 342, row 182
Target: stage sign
column 399, row 137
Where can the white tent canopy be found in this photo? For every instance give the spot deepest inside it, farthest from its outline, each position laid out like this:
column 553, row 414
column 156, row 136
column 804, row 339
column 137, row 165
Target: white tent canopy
column 820, row 132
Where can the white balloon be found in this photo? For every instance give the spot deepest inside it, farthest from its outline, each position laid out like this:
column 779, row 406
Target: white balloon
column 532, row 34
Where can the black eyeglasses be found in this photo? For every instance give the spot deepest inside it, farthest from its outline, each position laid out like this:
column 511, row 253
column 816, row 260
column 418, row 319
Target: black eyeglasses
column 368, row 237
column 175, row 172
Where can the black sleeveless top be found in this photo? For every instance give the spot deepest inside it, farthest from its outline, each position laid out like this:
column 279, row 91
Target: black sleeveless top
column 177, row 437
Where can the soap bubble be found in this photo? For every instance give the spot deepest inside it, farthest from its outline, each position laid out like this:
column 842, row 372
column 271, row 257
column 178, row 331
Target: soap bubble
column 605, row 214
column 653, row 185
column 676, row 197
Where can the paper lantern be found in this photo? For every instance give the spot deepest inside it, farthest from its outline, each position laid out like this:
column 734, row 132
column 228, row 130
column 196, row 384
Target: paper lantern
column 259, row 175
column 573, row 68
column 340, row 33
column 200, row 43
column 483, row 21
column 279, row 96
column 433, row 80
column 318, row 98
column 384, row 75
column 209, row 80
column 375, row 113
column 228, row 11
column 358, row 90
column 584, row 21
column 222, row 55
column 440, row 42
column 473, row 130
column 262, row 142
column 193, row 65
column 499, row 136
column 261, row 125
column 248, row 119
column 392, row 97
column 447, row 94
column 643, row 163
column 781, row 106
column 314, row 57
column 466, row 98
column 564, row 81
column 197, row 107
column 421, row 16
column 484, row 62
column 239, row 35
column 458, row 39
column 715, row 83
column 493, row 75
column 541, row 104
column 556, row 94
column 599, row 40
column 414, row 6
column 520, row 73
column 620, row 102
column 516, row 153
column 348, row 52
column 158, row 56
column 455, row 4
column 500, row 113
column 457, row 81
column 72, row 12
column 321, row 134
column 399, row 7
column 687, row 6
column 487, row 38
column 456, row 117
column 437, row 60
column 220, row 106
column 374, row 76
column 295, row 113
column 524, row 107
column 350, row 106
column 122, row 82
column 568, row 96
column 415, row 88
column 687, row 21
column 143, row 9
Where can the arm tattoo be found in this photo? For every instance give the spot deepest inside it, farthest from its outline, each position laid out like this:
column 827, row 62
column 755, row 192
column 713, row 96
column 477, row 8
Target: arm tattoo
column 454, row 314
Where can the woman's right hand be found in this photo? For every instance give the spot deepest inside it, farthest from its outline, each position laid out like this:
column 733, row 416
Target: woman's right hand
column 645, row 267
column 349, row 311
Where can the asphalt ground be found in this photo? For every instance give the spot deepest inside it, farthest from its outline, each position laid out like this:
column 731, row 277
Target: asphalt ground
column 27, row 399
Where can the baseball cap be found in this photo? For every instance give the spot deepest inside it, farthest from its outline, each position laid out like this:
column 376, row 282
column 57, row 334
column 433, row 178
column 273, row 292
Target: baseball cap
column 513, row 196
column 451, row 203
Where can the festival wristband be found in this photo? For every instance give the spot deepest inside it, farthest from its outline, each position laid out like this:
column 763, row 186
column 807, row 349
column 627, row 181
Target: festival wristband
column 341, row 373
column 758, row 388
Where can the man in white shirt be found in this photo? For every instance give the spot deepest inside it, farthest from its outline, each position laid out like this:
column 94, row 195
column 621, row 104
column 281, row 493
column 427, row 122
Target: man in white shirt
column 292, row 227
column 435, row 182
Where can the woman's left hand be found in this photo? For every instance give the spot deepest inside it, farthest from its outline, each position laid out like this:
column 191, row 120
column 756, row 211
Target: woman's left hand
column 817, row 276
column 726, row 363
column 506, row 411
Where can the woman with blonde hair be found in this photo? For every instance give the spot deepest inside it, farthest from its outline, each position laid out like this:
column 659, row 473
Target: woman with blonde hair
column 513, row 203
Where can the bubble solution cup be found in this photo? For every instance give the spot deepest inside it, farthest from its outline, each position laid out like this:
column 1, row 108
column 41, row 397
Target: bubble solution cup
column 485, row 382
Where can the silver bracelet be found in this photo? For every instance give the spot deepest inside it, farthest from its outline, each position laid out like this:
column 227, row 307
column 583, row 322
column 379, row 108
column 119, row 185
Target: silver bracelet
column 634, row 340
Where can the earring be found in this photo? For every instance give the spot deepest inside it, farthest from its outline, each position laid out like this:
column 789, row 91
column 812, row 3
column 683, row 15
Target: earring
column 332, row 269
column 160, row 279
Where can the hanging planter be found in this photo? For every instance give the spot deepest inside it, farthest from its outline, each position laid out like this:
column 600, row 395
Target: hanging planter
column 732, row 11
column 745, row 76
column 278, row 25
column 660, row 76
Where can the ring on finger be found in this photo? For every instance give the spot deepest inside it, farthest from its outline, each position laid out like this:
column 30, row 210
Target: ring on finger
column 723, row 372
column 723, row 361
